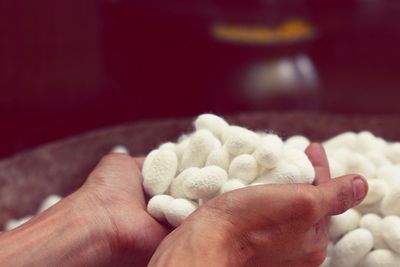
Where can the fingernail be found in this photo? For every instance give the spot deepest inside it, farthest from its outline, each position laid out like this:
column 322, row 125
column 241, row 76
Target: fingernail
column 359, row 188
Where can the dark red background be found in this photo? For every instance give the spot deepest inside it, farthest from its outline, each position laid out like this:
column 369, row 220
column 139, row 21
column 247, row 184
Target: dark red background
column 67, row 67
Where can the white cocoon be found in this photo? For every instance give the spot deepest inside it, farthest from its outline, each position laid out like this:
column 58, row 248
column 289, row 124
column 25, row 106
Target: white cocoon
column 352, row 248
column 343, row 223
column 301, row 161
column 298, row 142
column 178, row 210
column 219, row 157
column 211, row 122
column 200, row 145
column 283, row 173
column 48, row 202
column 232, row 184
column 12, row 224
column 158, row 205
column 376, row 191
column 372, row 223
column 176, row 187
column 336, row 169
column 120, row 149
column 367, row 141
column 390, row 204
column 159, row 168
column 346, row 139
column 358, row 163
column 392, row 152
column 377, row 158
column 390, row 228
column 168, row 146
column 205, row 182
column 239, row 140
column 381, row 258
column 268, row 150
column 243, row 167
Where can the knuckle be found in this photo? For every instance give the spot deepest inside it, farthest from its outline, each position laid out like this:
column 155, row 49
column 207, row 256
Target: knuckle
column 308, row 202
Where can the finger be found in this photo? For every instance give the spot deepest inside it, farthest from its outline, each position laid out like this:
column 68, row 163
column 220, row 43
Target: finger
column 341, row 194
column 316, row 154
column 119, row 171
column 139, row 161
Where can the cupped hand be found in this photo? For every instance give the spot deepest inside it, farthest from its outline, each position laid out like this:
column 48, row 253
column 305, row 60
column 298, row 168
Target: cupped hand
column 266, row 225
column 114, row 200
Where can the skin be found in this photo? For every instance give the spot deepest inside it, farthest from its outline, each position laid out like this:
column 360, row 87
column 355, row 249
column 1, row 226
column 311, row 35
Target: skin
column 105, row 223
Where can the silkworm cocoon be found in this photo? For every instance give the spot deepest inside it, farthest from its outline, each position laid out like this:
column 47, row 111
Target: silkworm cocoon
column 297, row 142
column 219, row 157
column 12, row 224
column 358, row 163
column 301, row 161
column 158, row 205
column 178, row 210
column 243, row 167
column 120, row 149
column 381, row 258
column 390, row 174
column 344, row 223
column 232, row 184
column 283, row 173
column 181, row 146
column 341, row 155
column 336, row 169
column 376, row 191
column 377, row 158
column 159, row 168
column 390, row 204
column 372, row 223
column 369, row 208
column 367, row 141
column 176, row 187
column 239, row 140
column 49, row 202
column 392, row 152
column 200, row 145
column 168, row 146
column 205, row 182
column 268, row 150
column 346, row 139
column 352, row 248
column 390, row 228
column 213, row 123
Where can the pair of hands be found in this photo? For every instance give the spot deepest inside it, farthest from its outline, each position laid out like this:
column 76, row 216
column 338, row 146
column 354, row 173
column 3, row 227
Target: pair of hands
column 265, row 225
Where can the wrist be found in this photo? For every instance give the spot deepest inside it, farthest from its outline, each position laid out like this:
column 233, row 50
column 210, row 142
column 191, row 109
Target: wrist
column 60, row 234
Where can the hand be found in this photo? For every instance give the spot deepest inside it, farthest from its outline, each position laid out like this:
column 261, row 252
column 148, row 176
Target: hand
column 114, row 190
column 104, row 223
column 266, row 225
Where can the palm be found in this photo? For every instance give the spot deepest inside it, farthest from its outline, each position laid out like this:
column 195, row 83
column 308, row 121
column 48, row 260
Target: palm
column 119, row 192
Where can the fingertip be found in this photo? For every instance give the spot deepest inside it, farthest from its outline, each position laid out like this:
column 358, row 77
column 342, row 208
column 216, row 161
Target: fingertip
column 360, row 188
column 313, row 147
column 343, row 193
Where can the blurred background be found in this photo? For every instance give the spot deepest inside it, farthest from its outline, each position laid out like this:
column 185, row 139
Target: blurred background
column 68, row 67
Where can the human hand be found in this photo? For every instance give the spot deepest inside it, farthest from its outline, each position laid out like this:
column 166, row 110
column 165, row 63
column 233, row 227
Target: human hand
column 104, row 223
column 114, row 192
column 265, row 225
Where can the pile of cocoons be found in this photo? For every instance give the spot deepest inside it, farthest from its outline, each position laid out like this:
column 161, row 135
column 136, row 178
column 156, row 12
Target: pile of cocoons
column 217, row 157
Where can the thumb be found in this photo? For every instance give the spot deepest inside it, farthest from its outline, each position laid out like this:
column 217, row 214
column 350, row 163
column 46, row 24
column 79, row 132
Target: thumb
column 342, row 193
